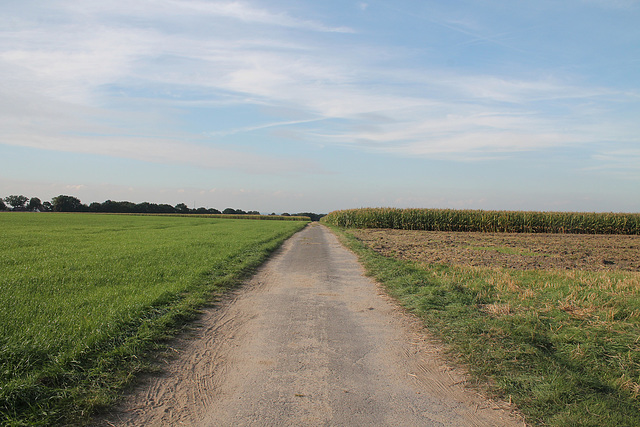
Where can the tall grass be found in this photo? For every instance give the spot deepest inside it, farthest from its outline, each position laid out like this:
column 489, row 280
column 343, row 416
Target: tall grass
column 84, row 296
column 486, row 221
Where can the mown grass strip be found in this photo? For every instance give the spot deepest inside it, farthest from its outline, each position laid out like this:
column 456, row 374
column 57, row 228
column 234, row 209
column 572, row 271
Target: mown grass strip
column 562, row 345
column 487, row 221
column 86, row 296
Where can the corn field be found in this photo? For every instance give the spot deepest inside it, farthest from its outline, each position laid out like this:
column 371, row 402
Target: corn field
column 486, row 221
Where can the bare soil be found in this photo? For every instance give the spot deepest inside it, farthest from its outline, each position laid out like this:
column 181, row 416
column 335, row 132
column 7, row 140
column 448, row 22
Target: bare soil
column 508, row 250
column 308, row 341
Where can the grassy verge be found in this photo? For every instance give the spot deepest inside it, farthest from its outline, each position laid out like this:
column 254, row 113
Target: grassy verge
column 562, row 345
column 84, row 297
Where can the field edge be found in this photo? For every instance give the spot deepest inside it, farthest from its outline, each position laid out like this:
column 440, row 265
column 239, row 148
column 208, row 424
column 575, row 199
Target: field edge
column 457, row 319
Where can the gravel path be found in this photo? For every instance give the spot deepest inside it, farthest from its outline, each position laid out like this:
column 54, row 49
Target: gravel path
column 308, row 341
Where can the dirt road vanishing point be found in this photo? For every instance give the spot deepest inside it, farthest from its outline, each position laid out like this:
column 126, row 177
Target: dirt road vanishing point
column 308, row 341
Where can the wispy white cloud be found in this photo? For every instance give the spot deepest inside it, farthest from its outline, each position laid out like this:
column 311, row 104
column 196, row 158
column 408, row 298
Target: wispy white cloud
column 260, row 127
column 622, row 162
column 461, row 144
column 247, row 13
column 62, row 79
column 164, row 151
column 180, row 9
column 521, row 91
column 70, row 63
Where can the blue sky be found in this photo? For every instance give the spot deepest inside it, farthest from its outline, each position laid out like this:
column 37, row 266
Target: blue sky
column 289, row 106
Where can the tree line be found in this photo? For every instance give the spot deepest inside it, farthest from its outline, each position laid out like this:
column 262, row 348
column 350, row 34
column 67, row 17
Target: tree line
column 65, row 203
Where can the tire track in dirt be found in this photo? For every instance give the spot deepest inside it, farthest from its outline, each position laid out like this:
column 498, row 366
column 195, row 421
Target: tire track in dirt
column 308, row 341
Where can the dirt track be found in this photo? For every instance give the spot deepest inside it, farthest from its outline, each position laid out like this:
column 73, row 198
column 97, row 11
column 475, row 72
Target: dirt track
column 308, row 341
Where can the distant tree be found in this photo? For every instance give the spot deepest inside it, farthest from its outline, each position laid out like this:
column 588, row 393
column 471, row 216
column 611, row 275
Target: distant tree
column 285, row 214
column 118, row 207
column 95, row 207
column 64, row 203
column 124, row 207
column 46, row 207
column 253, row 213
column 16, row 202
column 202, row 211
column 182, row 208
column 165, row 208
column 127, row 207
column 3, row 207
column 229, row 211
column 272, row 214
column 34, row 205
column 107, row 206
column 311, row 215
column 145, row 207
column 213, row 211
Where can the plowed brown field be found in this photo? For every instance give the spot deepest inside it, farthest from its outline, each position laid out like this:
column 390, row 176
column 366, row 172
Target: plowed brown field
column 508, row 250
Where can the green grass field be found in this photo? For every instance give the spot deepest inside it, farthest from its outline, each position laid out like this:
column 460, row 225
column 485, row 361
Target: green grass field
column 562, row 344
column 84, row 296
